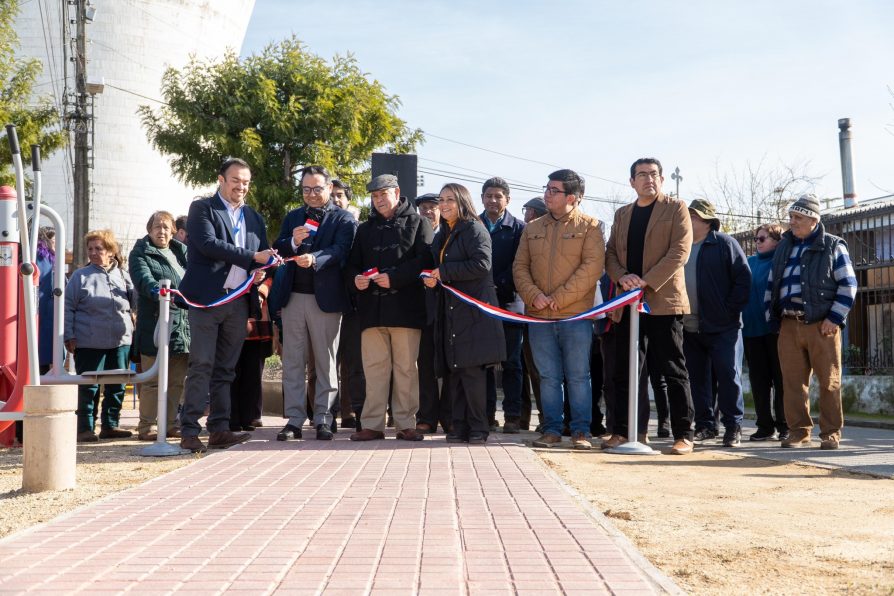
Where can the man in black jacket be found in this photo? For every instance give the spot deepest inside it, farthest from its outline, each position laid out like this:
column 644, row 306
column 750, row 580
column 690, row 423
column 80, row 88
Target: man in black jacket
column 718, row 282
column 319, row 237
column 390, row 251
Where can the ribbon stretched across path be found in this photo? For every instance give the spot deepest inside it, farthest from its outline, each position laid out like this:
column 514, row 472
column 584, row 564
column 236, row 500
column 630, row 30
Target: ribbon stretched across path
column 239, row 292
column 615, row 303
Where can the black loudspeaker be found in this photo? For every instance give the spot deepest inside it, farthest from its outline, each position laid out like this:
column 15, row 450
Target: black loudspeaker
column 402, row 166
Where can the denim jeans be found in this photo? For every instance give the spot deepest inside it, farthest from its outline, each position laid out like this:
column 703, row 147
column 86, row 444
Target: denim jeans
column 512, row 375
column 562, row 353
column 710, row 358
column 87, row 359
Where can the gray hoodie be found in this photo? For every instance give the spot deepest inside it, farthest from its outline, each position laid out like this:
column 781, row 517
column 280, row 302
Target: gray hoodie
column 98, row 305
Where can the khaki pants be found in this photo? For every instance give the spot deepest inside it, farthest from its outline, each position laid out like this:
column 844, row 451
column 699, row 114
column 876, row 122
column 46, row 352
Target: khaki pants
column 388, row 350
column 802, row 350
column 177, row 364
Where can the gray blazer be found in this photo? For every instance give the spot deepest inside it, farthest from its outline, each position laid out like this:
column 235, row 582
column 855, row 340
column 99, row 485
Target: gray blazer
column 98, row 305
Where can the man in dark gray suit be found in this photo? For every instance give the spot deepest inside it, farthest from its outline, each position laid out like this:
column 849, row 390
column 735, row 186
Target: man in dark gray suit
column 226, row 240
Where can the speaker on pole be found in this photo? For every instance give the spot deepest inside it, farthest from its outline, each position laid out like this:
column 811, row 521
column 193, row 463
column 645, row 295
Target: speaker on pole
column 403, row 166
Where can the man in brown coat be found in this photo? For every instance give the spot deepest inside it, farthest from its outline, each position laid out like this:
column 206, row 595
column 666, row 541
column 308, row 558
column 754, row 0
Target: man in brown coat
column 560, row 257
column 649, row 245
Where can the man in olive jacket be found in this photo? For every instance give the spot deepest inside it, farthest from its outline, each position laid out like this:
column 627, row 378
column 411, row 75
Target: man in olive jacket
column 155, row 257
column 650, row 243
column 559, row 260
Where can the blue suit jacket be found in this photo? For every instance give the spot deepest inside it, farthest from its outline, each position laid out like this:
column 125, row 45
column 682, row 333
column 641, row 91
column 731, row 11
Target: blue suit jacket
column 212, row 250
column 330, row 247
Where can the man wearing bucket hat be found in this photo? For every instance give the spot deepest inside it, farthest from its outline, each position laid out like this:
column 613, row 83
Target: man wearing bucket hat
column 718, row 282
column 810, row 290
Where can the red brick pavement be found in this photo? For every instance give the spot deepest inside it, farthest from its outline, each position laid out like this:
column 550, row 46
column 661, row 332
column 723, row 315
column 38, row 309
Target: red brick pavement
column 311, row 517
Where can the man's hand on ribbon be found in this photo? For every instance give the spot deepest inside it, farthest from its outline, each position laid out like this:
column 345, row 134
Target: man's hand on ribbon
column 259, row 276
column 631, row 282
column 263, row 256
column 306, row 260
column 382, row 280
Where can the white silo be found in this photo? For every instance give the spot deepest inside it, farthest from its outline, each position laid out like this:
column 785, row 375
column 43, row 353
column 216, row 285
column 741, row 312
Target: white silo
column 130, row 43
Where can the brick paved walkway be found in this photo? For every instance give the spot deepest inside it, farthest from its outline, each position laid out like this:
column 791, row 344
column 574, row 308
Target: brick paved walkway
column 311, row 517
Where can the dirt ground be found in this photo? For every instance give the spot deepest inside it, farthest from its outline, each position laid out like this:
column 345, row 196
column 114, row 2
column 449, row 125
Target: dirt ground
column 727, row 524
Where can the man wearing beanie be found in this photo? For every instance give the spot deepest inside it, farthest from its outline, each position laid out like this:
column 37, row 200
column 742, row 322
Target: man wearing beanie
column 810, row 290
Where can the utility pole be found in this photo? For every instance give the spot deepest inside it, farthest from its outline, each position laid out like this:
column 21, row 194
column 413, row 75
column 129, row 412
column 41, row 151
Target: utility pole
column 80, row 118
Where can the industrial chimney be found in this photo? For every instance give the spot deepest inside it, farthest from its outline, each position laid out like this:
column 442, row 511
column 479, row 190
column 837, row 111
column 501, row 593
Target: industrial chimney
column 847, row 163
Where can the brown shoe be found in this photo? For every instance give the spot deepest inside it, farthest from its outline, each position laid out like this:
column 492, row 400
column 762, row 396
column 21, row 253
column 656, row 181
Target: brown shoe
column 367, row 434
column 612, row 442
column 424, row 428
column 409, row 434
column 797, row 442
column 194, row 444
column 830, row 443
column 681, row 447
column 87, row 436
column 580, row 441
column 547, row 440
column 257, row 423
column 114, row 433
column 150, row 436
column 174, row 433
column 226, row 438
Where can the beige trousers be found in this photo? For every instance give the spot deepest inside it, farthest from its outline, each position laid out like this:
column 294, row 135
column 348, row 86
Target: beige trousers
column 802, row 350
column 387, row 351
column 149, row 392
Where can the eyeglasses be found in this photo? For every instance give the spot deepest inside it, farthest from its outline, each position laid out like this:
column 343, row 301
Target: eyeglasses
column 553, row 191
column 316, row 190
column 761, row 238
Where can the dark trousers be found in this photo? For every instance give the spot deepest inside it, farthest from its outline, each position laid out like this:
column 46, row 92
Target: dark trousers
column 530, row 383
column 659, row 392
column 87, row 359
column 610, row 362
column 352, row 383
column 512, row 375
column 246, row 390
column 762, row 355
column 711, row 357
column 661, row 348
column 218, row 336
column 466, row 387
column 596, row 386
column 434, row 403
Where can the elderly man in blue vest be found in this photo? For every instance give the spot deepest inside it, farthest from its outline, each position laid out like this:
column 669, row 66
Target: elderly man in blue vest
column 810, row 290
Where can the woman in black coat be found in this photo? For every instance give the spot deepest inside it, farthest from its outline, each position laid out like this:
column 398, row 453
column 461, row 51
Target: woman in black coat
column 467, row 341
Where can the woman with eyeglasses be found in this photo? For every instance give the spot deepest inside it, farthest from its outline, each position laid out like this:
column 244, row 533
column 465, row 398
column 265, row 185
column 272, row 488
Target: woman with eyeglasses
column 760, row 343
column 467, row 341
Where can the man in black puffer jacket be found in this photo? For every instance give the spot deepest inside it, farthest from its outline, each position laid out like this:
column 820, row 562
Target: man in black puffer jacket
column 389, row 252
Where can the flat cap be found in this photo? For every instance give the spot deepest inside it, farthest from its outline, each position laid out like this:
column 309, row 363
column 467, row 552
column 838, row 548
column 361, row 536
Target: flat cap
column 429, row 197
column 537, row 204
column 382, row 181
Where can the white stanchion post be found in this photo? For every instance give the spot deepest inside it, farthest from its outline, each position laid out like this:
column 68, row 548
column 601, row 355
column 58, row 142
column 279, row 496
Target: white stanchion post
column 633, row 447
column 161, row 447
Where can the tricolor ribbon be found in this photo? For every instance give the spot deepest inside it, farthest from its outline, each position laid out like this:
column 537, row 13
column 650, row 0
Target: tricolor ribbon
column 371, row 272
column 625, row 299
column 312, row 226
column 239, row 292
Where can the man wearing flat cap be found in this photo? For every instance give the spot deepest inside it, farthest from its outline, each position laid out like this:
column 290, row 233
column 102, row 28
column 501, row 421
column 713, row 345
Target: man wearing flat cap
column 390, row 251
column 810, row 290
column 533, row 209
column 718, row 283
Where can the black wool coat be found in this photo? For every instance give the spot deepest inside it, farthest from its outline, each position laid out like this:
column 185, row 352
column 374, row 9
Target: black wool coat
column 464, row 335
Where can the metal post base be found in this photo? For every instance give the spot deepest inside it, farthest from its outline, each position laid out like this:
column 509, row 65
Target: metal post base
column 632, row 448
column 162, row 449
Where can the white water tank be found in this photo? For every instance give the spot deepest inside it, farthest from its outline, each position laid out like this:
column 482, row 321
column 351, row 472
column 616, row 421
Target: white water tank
column 131, row 42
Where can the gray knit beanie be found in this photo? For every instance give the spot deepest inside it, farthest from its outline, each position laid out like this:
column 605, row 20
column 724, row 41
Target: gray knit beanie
column 807, row 205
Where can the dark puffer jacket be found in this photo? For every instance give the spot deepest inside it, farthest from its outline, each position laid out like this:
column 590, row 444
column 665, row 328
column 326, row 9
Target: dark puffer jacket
column 147, row 267
column 464, row 335
column 399, row 247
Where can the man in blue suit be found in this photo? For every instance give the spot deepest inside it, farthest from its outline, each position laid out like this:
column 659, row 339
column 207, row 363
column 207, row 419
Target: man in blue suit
column 319, row 237
column 226, row 240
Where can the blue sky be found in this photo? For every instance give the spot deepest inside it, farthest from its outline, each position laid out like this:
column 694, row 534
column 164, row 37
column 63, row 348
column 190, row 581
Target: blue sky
column 594, row 85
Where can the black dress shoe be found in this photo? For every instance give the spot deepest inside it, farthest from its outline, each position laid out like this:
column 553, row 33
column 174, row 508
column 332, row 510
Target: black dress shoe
column 247, row 427
column 477, row 438
column 453, row 438
column 349, row 422
column 288, row 432
column 324, row 432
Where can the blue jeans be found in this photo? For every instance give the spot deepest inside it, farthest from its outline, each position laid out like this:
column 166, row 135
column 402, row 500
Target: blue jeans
column 713, row 358
column 512, row 375
column 88, row 395
column 562, row 353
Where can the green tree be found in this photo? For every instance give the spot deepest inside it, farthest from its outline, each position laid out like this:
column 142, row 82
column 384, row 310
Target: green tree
column 36, row 119
column 280, row 110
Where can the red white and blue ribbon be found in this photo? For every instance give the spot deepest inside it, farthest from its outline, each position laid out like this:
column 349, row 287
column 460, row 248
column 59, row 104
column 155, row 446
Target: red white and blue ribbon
column 239, row 292
column 625, row 299
column 312, row 226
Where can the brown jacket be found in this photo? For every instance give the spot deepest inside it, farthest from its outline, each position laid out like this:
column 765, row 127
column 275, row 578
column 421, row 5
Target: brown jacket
column 560, row 258
column 668, row 243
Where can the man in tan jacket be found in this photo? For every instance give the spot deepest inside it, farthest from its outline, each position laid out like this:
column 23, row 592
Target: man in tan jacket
column 560, row 257
column 649, row 245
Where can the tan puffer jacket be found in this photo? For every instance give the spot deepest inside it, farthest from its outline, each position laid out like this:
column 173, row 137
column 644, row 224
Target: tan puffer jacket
column 560, row 258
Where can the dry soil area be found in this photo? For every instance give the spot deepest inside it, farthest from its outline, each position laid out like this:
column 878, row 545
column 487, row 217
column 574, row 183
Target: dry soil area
column 726, row 524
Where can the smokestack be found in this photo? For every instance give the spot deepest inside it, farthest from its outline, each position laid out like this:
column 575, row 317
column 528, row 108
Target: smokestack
column 847, row 163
